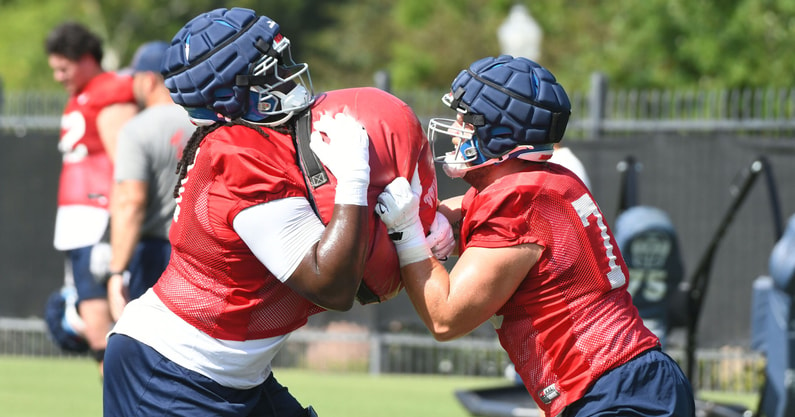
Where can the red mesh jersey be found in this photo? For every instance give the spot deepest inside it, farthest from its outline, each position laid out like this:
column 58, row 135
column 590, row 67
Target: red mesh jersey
column 572, row 318
column 214, row 282
column 87, row 171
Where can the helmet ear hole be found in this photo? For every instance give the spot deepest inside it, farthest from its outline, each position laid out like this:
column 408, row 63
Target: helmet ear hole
column 259, row 106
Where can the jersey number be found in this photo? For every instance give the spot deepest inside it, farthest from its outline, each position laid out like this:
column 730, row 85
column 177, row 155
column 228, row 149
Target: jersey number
column 652, row 284
column 586, row 207
column 73, row 128
column 182, row 186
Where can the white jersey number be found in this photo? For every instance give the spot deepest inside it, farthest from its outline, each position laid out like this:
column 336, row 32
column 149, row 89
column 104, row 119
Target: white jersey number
column 73, row 128
column 182, row 186
column 586, row 207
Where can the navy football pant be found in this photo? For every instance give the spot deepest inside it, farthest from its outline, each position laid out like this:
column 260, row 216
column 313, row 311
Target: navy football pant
column 652, row 384
column 79, row 260
column 141, row 382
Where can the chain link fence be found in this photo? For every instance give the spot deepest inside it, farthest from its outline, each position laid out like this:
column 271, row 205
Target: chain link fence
column 596, row 113
column 353, row 349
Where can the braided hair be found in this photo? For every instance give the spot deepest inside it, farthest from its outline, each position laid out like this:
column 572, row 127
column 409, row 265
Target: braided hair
column 189, row 153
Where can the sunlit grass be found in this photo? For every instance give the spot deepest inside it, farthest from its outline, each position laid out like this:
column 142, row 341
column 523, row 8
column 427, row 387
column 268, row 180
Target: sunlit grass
column 46, row 387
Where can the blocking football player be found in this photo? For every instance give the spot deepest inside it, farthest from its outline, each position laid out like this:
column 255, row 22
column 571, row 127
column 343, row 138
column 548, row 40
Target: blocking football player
column 537, row 257
column 263, row 235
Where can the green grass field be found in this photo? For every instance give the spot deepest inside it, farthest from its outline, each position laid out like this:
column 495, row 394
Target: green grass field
column 43, row 387
column 46, row 387
column 49, row 387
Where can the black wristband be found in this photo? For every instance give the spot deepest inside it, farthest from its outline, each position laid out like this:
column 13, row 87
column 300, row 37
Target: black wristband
column 98, row 355
column 106, row 278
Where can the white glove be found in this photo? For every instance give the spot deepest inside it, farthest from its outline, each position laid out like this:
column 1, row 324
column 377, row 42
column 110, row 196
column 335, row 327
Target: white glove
column 398, row 206
column 346, row 154
column 440, row 237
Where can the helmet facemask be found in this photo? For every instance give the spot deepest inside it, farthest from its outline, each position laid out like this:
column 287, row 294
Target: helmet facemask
column 454, row 146
column 279, row 87
column 455, row 143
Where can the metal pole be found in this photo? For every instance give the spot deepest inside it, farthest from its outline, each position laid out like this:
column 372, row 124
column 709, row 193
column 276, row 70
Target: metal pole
column 383, row 80
column 598, row 99
column 696, row 287
column 375, row 354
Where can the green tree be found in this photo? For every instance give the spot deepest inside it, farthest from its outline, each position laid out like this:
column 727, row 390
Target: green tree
column 123, row 25
column 423, row 44
column 670, row 43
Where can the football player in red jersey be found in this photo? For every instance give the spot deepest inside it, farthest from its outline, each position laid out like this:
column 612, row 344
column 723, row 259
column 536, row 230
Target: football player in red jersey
column 100, row 102
column 537, row 258
column 263, row 236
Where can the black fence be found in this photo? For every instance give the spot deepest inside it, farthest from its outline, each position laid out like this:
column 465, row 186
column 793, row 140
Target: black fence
column 30, row 268
column 695, row 179
column 690, row 176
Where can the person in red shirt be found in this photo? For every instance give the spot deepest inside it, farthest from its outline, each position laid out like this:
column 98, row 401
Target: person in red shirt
column 536, row 256
column 100, row 102
column 263, row 235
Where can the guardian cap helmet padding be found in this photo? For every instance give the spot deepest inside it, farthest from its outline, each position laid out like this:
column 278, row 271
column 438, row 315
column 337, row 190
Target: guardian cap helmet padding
column 514, row 105
column 232, row 63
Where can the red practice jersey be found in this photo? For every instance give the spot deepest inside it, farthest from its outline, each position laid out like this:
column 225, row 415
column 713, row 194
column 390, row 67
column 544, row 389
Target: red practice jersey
column 213, row 281
column 571, row 319
column 87, row 173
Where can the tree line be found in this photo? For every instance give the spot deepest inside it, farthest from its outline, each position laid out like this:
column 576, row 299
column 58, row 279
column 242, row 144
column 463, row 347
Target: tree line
column 682, row 44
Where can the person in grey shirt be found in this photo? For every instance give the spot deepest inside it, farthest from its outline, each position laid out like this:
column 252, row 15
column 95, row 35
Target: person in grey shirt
column 142, row 202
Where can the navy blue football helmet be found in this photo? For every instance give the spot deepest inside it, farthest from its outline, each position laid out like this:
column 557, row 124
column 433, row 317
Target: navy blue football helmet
column 231, row 63
column 507, row 108
column 63, row 322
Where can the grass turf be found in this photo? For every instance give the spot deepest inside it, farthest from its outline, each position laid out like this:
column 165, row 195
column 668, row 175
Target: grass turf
column 39, row 387
column 46, row 387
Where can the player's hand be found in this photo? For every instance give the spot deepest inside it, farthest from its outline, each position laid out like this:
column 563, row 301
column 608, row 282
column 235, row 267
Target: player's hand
column 440, row 237
column 346, row 155
column 398, row 207
column 117, row 295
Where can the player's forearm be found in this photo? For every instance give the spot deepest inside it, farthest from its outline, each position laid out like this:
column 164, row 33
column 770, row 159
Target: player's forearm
column 340, row 256
column 126, row 221
column 450, row 208
column 427, row 284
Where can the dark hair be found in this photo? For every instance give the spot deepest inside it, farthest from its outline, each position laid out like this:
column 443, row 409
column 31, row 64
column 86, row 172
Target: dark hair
column 73, row 40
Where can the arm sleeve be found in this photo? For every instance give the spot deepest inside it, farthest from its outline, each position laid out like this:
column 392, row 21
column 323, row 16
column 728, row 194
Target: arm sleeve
column 279, row 233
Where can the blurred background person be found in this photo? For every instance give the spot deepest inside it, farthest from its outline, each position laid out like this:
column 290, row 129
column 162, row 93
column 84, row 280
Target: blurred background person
column 563, row 155
column 142, row 202
column 99, row 104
